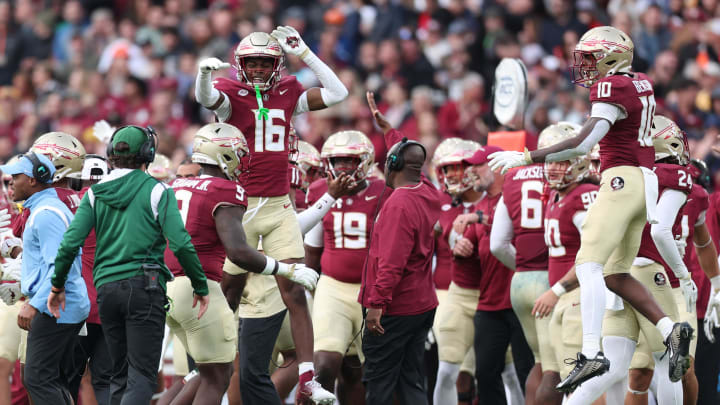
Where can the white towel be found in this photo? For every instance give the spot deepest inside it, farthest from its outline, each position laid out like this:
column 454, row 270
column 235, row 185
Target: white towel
column 651, row 194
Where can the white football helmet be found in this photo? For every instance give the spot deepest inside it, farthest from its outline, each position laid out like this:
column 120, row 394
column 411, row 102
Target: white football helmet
column 577, row 169
column 349, row 144
column 221, row 145
column 307, row 160
column 160, row 168
column 600, row 52
column 64, row 150
column 451, row 152
column 259, row 45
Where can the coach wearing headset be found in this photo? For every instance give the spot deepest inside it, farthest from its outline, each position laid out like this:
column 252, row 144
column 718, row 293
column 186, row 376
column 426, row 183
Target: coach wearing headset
column 50, row 342
column 133, row 215
column 397, row 287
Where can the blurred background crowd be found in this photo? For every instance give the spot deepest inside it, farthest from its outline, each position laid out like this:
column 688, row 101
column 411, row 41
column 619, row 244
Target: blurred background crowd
column 65, row 64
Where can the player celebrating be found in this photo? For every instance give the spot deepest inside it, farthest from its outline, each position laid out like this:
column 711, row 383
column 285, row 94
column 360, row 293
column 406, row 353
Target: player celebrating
column 212, row 207
column 339, row 245
column 262, row 103
column 623, row 105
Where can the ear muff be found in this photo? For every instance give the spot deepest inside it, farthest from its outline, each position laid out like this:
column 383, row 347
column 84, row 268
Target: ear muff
column 396, row 161
column 40, row 171
column 146, row 154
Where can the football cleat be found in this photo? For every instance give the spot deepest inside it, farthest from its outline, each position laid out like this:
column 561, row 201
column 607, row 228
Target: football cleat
column 584, row 370
column 310, row 391
column 678, row 348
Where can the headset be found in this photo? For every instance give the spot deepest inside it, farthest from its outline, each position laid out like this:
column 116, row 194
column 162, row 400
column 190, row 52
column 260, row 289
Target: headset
column 396, row 160
column 146, row 154
column 40, row 171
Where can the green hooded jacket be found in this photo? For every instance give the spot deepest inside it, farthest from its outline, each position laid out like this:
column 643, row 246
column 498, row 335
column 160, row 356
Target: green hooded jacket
column 133, row 214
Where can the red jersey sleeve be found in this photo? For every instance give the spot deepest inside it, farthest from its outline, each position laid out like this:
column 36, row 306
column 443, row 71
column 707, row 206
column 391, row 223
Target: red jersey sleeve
column 226, row 193
column 673, row 177
column 315, row 191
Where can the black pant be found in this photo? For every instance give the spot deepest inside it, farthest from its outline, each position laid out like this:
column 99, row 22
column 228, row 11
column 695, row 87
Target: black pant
column 94, row 348
column 707, row 367
column 133, row 321
column 50, row 362
column 394, row 361
column 256, row 339
column 494, row 331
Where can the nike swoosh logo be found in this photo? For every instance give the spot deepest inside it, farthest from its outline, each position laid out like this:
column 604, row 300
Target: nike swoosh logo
column 283, row 91
column 370, row 197
column 286, row 206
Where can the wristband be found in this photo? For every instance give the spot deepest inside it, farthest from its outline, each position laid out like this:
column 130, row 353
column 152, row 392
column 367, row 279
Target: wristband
column 479, row 213
column 57, row 290
column 715, row 282
column 709, row 241
column 305, row 52
column 558, row 289
column 271, row 266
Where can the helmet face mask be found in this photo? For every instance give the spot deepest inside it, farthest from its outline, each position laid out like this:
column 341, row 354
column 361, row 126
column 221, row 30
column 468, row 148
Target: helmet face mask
column 600, row 52
column 258, row 60
column 307, row 159
column 348, row 144
column 560, row 175
column 455, row 178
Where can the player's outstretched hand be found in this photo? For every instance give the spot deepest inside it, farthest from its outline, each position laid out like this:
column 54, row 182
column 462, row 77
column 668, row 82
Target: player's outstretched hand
column 290, row 40
column 341, row 185
column 380, row 119
column 303, row 275
column 506, row 160
column 209, row 64
column 102, row 131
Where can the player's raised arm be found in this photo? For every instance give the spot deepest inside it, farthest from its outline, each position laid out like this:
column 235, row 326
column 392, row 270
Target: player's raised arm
column 205, row 93
column 316, row 98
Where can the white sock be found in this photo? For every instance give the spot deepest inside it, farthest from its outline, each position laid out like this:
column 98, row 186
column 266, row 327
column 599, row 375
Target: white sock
column 652, row 392
column 667, row 392
column 445, row 391
column 305, row 367
column 619, row 351
column 513, row 391
column 665, row 326
column 592, row 305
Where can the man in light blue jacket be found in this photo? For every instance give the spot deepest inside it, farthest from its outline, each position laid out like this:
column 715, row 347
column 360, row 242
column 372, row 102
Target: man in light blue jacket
column 51, row 342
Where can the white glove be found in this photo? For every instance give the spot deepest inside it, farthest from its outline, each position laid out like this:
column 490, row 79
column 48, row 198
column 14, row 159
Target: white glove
column 209, row 64
column 689, row 291
column 10, row 293
column 12, row 271
column 506, row 160
column 103, row 131
column 711, row 316
column 7, row 245
column 300, row 274
column 4, row 220
column 290, row 40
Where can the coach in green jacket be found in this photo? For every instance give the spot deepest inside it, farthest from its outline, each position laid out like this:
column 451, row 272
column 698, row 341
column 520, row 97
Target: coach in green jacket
column 133, row 215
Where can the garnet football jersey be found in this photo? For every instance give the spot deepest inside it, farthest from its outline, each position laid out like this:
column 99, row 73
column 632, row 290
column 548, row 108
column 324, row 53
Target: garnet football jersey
column 697, row 203
column 443, row 253
column 347, row 228
column 198, row 198
column 561, row 235
column 522, row 194
column 670, row 177
column 464, row 270
column 267, row 174
column 495, row 278
column 88, row 261
column 628, row 142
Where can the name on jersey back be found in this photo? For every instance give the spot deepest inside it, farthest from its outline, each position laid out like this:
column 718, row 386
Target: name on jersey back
column 197, row 184
column 642, row 86
column 534, row 172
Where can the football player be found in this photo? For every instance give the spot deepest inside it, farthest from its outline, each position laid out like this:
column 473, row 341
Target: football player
column 338, row 245
column 571, row 194
column 262, row 103
column 496, row 325
column 623, row 105
column 212, row 207
column 305, row 167
column 623, row 323
column 455, row 312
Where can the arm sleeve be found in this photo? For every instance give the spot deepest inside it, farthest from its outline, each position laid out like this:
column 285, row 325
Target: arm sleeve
column 179, row 242
column 49, row 228
column 333, row 90
column 314, row 237
column 395, row 249
column 599, row 131
column 670, row 203
column 608, row 111
column 578, row 220
column 207, row 96
column 315, row 213
column 501, row 236
column 73, row 239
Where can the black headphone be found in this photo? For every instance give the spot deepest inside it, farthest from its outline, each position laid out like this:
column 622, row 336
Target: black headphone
column 40, row 171
column 396, row 161
column 146, row 154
